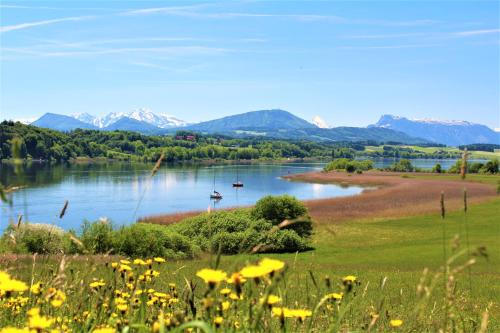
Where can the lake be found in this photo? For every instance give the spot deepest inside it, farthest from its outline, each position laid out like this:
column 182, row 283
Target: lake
column 117, row 190
column 124, row 192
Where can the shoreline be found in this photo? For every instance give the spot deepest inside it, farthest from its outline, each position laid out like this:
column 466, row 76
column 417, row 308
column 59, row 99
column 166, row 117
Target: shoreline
column 387, row 195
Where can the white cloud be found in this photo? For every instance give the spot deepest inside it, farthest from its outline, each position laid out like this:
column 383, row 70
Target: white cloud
column 477, row 32
column 20, row 26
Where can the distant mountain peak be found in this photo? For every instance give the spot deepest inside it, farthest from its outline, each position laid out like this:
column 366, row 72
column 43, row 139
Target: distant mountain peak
column 161, row 120
column 318, row 121
column 450, row 132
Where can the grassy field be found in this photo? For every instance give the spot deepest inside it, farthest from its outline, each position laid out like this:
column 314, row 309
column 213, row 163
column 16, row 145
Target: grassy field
column 395, row 251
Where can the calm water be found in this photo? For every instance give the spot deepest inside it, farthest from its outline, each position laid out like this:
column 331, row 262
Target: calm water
column 115, row 190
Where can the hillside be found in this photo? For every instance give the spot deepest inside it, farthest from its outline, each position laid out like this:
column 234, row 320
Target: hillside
column 61, row 122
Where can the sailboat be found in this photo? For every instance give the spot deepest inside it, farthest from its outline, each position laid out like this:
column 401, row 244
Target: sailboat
column 215, row 195
column 238, row 183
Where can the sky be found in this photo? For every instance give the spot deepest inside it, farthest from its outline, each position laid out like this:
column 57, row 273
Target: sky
column 348, row 62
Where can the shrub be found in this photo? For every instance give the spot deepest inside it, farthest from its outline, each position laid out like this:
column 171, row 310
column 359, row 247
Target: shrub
column 38, row 238
column 146, row 240
column 402, row 165
column 285, row 241
column 492, row 166
column 276, row 209
column 437, row 168
column 349, row 165
column 97, row 237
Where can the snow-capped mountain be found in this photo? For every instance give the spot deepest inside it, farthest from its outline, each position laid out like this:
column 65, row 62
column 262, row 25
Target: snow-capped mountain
column 450, row 132
column 160, row 120
column 318, row 121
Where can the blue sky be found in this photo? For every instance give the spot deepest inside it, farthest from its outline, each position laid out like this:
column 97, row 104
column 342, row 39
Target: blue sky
column 347, row 61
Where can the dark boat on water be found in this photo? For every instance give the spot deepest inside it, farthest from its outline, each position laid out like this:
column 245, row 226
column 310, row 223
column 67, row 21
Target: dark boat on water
column 238, row 183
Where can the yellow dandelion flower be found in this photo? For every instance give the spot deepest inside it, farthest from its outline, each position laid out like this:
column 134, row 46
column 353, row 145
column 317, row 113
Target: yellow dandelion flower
column 125, row 268
column 225, row 291
column 39, row 323
column 159, row 260
column 225, row 305
column 114, row 265
column 396, row 322
column 218, row 321
column 271, row 300
column 139, row 262
column 349, row 279
column 211, row 276
column 335, row 296
column 125, row 262
column 97, row 284
column 7, row 284
column 272, row 264
column 236, row 278
column 254, row 271
column 36, row 288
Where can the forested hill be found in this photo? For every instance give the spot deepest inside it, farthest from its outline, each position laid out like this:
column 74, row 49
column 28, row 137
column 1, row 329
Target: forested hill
column 28, row 141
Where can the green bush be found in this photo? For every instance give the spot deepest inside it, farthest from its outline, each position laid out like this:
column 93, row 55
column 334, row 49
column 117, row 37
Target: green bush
column 437, row 168
column 97, row 237
column 402, row 165
column 241, row 230
column 149, row 240
column 349, row 165
column 38, row 238
column 276, row 209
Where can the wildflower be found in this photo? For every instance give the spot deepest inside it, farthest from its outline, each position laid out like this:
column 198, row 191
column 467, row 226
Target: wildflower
column 97, row 284
column 349, row 279
column 114, row 265
column 272, row 264
column 125, row 262
column 271, row 300
column 236, row 278
column 38, row 323
column 7, row 284
column 211, row 276
column 36, row 288
column 58, row 299
column 225, row 305
column 236, row 297
column 396, row 322
column 225, row 291
column 335, row 296
column 218, row 321
column 301, row 314
column 125, row 268
column 139, row 262
column 159, row 260
column 254, row 271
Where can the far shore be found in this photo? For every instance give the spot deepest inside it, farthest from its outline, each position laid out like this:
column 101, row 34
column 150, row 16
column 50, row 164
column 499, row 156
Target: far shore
column 388, row 195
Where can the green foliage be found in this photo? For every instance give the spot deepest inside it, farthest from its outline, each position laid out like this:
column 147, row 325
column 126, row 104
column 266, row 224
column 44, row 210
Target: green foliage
column 403, row 165
column 37, row 238
column 276, row 209
column 97, row 237
column 490, row 167
column 437, row 168
column 349, row 165
column 146, row 240
column 242, row 230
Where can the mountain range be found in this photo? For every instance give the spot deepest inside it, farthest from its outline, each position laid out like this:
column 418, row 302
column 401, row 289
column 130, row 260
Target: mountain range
column 283, row 125
column 449, row 132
